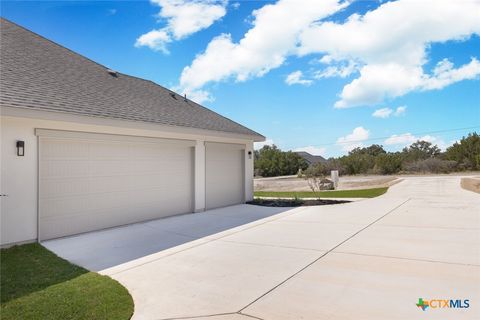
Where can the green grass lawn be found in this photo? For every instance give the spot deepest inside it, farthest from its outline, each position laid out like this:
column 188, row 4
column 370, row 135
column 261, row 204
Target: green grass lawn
column 361, row 193
column 37, row 284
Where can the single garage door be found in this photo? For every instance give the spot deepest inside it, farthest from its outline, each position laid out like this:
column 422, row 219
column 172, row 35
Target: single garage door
column 224, row 174
column 93, row 181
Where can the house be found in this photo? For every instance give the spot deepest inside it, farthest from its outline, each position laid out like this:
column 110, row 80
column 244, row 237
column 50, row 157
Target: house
column 85, row 148
column 310, row 158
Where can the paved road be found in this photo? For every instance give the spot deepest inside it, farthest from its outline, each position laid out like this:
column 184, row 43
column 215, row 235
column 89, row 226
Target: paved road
column 371, row 259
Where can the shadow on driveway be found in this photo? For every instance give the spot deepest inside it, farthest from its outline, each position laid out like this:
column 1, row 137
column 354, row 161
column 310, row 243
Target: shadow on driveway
column 107, row 248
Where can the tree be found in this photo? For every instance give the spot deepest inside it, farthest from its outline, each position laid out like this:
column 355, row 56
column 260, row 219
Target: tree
column 361, row 160
column 421, row 150
column 420, row 156
column 374, row 150
column 334, row 164
column 388, row 163
column 315, row 176
column 271, row 161
column 466, row 153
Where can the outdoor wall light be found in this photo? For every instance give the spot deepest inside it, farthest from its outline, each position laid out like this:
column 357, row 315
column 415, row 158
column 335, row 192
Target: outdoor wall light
column 20, row 148
column 249, row 154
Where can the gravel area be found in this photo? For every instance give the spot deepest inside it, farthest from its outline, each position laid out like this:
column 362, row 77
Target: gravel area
column 472, row 184
column 293, row 183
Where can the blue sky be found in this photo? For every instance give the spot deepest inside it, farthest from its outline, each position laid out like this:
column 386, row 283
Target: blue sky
column 306, row 74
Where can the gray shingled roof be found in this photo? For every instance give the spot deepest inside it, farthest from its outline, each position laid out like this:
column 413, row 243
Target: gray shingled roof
column 39, row 74
column 310, row 158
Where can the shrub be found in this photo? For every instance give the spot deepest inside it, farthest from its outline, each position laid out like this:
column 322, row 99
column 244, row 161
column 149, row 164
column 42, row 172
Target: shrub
column 431, row 165
column 357, row 163
column 388, row 163
column 314, row 176
column 466, row 152
column 334, row 164
column 316, row 170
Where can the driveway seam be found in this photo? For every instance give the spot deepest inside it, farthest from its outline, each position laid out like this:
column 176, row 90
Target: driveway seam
column 272, row 245
column 269, row 219
column 409, row 259
column 323, row 255
column 425, row 227
column 212, row 315
column 249, row 315
column 318, row 222
column 201, row 316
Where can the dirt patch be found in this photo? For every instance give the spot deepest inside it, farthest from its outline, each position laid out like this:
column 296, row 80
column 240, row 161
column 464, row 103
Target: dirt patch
column 472, row 184
column 293, row 202
column 366, row 182
column 293, row 183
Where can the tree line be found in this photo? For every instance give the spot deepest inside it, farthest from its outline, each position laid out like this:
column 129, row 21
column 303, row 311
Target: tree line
column 420, row 157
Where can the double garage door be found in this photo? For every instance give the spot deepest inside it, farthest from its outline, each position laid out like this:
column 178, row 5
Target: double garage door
column 92, row 181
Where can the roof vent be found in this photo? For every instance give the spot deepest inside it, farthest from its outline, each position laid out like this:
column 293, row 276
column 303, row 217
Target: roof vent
column 185, row 98
column 172, row 94
column 113, row 73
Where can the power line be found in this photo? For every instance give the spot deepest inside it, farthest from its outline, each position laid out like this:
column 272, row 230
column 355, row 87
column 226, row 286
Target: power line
column 400, row 135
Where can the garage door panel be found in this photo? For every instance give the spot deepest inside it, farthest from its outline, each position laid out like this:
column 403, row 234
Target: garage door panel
column 65, row 149
column 105, row 150
column 86, row 204
column 61, row 168
column 88, row 184
column 118, row 202
column 224, row 174
column 78, row 223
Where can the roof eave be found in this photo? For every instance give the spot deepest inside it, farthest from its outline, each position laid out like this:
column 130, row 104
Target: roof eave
column 16, row 111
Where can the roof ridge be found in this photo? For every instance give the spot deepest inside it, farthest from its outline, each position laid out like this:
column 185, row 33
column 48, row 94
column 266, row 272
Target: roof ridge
column 88, row 60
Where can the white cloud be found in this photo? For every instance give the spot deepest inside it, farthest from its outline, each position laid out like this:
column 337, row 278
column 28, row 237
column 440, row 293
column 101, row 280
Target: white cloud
column 260, row 145
column 382, row 113
column 183, row 19
column 436, row 141
column 387, row 112
column 379, row 82
column 445, row 74
column 155, row 39
column 354, row 139
column 326, row 59
column 199, row 96
column 296, row 78
column 400, row 111
column 236, row 5
column 340, row 70
column 390, row 42
column 273, row 37
column 388, row 46
column 407, row 139
column 401, row 139
column 316, row 151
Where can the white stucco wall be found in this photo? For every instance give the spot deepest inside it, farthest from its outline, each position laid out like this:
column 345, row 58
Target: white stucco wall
column 18, row 219
column 199, row 176
column 249, row 171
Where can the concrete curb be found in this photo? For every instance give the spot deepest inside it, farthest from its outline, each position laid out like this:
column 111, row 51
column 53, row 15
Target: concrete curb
column 323, row 198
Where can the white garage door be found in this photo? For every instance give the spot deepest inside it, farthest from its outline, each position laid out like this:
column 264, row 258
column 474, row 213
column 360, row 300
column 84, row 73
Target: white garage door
column 91, row 181
column 224, row 174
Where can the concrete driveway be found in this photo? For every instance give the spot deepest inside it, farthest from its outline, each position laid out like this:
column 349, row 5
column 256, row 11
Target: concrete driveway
column 371, row 259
